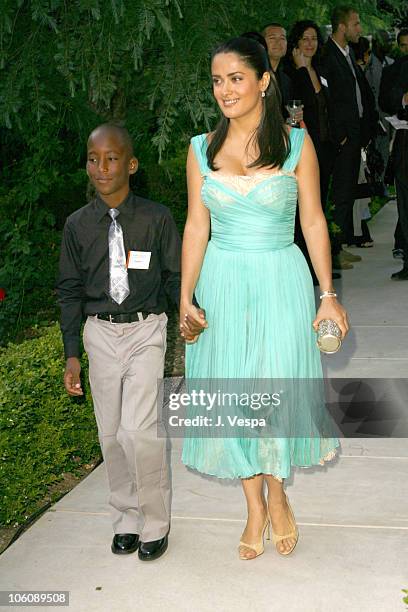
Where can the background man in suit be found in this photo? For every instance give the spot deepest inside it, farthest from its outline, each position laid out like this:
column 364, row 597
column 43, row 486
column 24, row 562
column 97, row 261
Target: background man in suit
column 394, row 100
column 386, row 82
column 378, row 60
column 402, row 41
column 275, row 37
column 352, row 119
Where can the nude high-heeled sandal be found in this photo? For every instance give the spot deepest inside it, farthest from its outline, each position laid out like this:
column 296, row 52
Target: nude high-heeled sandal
column 258, row 547
column 294, row 534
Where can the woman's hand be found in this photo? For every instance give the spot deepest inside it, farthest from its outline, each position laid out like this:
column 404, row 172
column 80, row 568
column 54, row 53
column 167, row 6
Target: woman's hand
column 330, row 308
column 192, row 322
column 298, row 58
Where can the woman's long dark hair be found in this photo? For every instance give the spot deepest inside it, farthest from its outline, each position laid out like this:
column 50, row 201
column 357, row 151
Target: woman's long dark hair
column 270, row 136
column 296, row 33
column 360, row 48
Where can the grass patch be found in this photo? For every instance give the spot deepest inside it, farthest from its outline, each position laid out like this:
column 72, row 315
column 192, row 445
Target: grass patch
column 44, row 434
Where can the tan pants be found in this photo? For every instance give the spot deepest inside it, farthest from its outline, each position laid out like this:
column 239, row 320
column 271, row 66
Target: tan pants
column 126, row 361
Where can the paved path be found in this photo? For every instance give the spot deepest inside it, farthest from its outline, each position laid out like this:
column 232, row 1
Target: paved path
column 352, row 515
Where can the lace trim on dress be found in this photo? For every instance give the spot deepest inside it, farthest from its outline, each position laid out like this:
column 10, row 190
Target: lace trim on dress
column 329, row 457
column 242, row 183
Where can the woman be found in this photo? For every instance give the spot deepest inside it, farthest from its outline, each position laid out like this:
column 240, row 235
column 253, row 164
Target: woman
column 250, row 278
column 304, row 47
column 362, row 51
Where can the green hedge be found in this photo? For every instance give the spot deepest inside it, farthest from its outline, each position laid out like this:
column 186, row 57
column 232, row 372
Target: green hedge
column 43, row 432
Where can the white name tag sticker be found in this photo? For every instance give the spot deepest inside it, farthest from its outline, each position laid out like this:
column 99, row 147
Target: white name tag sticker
column 138, row 260
column 323, row 81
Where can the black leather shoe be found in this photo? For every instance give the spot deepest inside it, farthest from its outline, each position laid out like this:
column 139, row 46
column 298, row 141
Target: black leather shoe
column 401, row 275
column 398, row 253
column 125, row 543
column 148, row 551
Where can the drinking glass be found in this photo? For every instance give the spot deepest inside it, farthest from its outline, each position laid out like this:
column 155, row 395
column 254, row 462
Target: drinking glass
column 293, row 106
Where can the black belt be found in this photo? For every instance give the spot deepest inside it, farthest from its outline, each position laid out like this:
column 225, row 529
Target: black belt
column 126, row 317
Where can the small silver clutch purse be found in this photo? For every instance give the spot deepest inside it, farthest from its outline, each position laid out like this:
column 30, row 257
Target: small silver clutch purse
column 328, row 336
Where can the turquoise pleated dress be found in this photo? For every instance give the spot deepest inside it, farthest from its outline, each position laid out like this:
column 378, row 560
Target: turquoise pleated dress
column 257, row 291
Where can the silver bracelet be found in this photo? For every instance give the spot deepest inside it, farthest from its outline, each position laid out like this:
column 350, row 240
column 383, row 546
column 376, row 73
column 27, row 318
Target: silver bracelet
column 328, row 294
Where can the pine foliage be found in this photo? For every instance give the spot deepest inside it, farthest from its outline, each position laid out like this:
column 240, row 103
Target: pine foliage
column 67, row 66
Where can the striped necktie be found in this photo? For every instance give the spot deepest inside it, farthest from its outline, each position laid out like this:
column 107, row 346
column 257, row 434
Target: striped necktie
column 118, row 276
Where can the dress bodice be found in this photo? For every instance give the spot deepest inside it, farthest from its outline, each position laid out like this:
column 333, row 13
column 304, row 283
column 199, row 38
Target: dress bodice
column 252, row 213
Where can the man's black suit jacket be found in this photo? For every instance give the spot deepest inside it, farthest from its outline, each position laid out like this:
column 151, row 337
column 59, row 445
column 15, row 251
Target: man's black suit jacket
column 394, row 84
column 343, row 109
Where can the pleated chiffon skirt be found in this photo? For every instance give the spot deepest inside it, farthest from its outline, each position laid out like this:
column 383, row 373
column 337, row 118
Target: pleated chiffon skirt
column 259, row 307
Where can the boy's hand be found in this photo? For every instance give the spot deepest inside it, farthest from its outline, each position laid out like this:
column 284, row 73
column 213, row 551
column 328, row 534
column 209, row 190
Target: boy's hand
column 192, row 326
column 72, row 380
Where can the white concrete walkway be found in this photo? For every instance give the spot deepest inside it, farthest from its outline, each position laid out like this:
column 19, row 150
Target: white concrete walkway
column 352, row 515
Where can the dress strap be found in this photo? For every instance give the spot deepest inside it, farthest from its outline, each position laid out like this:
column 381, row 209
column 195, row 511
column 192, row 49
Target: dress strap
column 297, row 137
column 199, row 144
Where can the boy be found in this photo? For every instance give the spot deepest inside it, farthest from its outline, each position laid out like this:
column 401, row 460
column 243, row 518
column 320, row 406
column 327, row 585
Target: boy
column 120, row 255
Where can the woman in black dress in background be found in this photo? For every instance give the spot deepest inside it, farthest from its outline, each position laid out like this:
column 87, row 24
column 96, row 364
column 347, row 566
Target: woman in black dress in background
column 304, row 46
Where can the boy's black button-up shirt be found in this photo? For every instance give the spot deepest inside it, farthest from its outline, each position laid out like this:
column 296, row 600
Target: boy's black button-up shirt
column 83, row 283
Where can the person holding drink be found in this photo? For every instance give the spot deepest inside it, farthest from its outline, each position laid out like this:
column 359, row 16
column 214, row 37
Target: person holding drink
column 304, row 48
